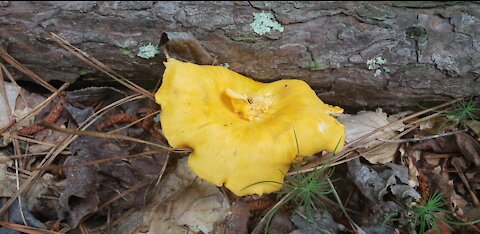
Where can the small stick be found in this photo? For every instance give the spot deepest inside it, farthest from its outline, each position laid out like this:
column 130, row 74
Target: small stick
column 26, row 71
column 422, row 138
column 342, row 208
column 476, row 202
column 111, row 136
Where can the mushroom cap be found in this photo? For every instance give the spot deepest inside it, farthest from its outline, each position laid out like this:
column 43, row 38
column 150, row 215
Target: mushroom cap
column 244, row 134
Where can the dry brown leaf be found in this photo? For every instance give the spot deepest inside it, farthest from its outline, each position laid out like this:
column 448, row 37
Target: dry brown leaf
column 412, row 174
column 49, row 137
column 200, row 207
column 172, row 185
column 238, row 219
column 180, row 198
column 22, row 107
column 382, row 154
column 323, row 223
column 11, row 92
column 7, row 180
column 469, row 147
column 475, row 126
column 456, row 203
column 427, row 124
column 363, row 123
column 90, row 188
column 460, row 142
column 374, row 185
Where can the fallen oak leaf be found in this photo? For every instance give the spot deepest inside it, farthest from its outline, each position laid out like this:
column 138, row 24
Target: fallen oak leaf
column 459, row 142
column 474, row 125
column 8, row 96
column 374, row 185
column 469, row 147
column 357, row 126
column 238, row 219
column 200, row 206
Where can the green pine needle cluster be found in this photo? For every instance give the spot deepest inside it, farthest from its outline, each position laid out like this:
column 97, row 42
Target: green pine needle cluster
column 308, row 189
column 460, row 113
column 305, row 190
column 425, row 216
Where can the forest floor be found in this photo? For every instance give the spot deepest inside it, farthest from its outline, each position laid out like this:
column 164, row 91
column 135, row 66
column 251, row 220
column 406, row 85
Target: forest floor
column 95, row 160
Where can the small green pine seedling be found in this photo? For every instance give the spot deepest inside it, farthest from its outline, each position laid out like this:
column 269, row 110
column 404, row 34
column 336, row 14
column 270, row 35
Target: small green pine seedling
column 306, row 190
column 425, row 216
column 460, row 113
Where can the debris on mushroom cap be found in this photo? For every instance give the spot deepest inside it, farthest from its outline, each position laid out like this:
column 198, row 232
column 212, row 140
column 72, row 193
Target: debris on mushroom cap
column 243, row 133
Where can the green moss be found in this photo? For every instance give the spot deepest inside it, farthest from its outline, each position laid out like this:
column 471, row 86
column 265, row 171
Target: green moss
column 128, row 52
column 244, row 38
column 317, row 65
column 84, row 71
column 421, row 68
column 148, row 51
column 264, row 22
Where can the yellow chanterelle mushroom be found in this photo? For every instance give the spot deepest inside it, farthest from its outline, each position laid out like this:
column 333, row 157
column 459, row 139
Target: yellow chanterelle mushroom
column 243, row 132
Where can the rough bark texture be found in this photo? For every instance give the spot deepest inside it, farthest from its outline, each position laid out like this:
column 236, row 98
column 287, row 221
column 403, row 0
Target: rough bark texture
column 432, row 49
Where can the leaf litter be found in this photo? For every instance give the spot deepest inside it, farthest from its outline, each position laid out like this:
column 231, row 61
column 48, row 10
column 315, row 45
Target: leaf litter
column 107, row 185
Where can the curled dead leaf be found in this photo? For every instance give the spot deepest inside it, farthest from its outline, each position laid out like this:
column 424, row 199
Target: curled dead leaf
column 357, row 126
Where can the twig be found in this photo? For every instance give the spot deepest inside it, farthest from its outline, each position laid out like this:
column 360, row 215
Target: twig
column 15, row 144
column 60, row 147
column 26, row 229
column 20, row 205
column 122, row 217
column 264, row 219
column 110, row 136
column 30, row 140
column 40, row 106
column 26, row 71
column 374, row 148
column 118, row 196
column 357, row 228
column 95, row 116
column 10, row 77
column 476, row 202
column 7, row 126
column 103, row 160
column 164, row 167
column 403, row 120
column 436, row 156
column 100, row 66
column 422, row 138
column 352, row 146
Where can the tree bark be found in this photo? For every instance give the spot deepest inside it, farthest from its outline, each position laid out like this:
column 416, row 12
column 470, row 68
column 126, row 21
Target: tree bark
column 419, row 52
